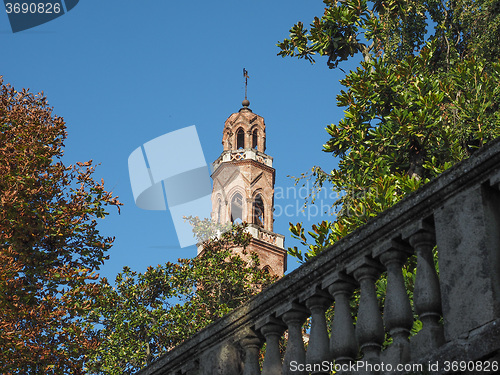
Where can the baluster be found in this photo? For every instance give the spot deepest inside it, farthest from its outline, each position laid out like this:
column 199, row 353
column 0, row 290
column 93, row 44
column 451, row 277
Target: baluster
column 295, row 352
column 318, row 349
column 272, row 329
column 343, row 345
column 369, row 327
column 398, row 316
column 426, row 296
column 251, row 345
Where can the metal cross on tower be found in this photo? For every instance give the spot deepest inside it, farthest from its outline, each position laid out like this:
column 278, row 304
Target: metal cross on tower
column 245, row 75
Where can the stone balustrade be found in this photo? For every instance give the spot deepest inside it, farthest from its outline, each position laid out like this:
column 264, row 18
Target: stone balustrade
column 243, row 154
column 266, row 236
column 256, row 231
column 458, row 306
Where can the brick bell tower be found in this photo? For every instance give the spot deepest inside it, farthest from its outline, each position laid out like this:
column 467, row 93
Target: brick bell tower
column 243, row 189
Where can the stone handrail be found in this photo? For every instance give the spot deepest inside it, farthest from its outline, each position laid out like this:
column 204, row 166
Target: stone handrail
column 459, row 306
column 243, row 154
column 266, row 236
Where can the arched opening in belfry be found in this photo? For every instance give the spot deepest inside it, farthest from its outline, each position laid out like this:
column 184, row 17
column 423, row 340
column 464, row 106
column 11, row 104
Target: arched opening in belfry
column 218, row 211
column 240, row 139
column 255, row 136
column 237, row 209
column 258, row 211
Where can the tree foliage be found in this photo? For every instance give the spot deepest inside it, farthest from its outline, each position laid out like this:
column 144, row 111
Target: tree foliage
column 420, row 101
column 146, row 314
column 49, row 242
column 396, row 29
column 56, row 317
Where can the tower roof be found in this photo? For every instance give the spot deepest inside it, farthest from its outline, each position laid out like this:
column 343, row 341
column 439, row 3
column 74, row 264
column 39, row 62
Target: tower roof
column 244, row 117
column 247, row 122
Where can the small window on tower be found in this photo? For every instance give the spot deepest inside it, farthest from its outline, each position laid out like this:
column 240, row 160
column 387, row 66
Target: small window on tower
column 237, row 209
column 258, row 211
column 240, row 139
column 218, row 211
column 255, row 136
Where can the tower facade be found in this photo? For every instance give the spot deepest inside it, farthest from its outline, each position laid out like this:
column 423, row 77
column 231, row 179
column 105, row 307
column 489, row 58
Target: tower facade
column 243, row 189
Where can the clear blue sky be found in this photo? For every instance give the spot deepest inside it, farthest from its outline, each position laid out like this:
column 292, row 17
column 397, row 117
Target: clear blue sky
column 122, row 72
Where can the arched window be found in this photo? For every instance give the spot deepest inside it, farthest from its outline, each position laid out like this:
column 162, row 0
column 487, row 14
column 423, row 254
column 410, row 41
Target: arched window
column 258, row 211
column 218, row 211
column 240, row 139
column 255, row 136
column 268, row 270
column 237, row 209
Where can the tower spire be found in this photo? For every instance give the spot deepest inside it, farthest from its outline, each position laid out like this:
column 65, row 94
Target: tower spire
column 245, row 75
